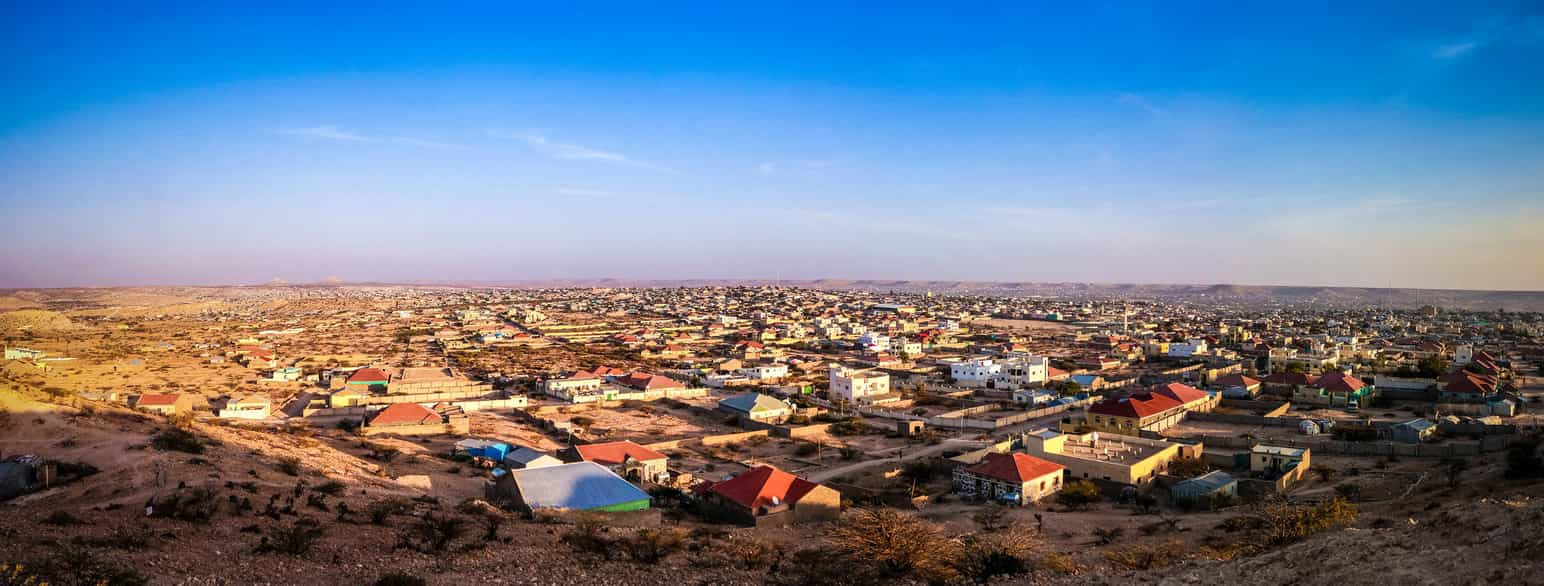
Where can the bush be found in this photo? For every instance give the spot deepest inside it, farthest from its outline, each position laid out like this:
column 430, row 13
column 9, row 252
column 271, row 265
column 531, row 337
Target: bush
column 1079, row 495
column 196, row 504
column 383, row 509
column 289, row 466
column 293, row 539
column 806, row 449
column 72, row 567
column 895, row 544
column 1276, row 523
column 176, row 439
column 330, row 488
column 1522, row 459
column 61, row 519
column 399, row 579
column 433, row 532
column 1147, row 557
column 652, row 545
column 1189, row 467
column 987, row 556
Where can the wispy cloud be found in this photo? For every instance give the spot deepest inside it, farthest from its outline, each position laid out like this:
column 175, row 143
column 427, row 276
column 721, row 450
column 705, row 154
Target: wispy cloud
column 323, row 133
column 766, row 168
column 1455, row 50
column 1139, row 102
column 336, row 134
column 569, row 151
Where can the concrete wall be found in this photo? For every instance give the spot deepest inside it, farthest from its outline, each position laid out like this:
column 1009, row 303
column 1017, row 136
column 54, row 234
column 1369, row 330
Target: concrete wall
column 1448, row 449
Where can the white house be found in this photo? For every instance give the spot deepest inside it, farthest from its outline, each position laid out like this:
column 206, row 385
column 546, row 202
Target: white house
column 1187, row 348
column 1023, row 372
column 974, row 373
column 767, row 372
column 908, row 348
column 875, row 342
column 858, row 386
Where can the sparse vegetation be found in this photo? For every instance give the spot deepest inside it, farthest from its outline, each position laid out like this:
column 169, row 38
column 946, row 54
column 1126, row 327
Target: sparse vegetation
column 177, row 439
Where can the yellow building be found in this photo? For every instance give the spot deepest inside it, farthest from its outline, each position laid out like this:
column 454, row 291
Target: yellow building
column 1115, row 458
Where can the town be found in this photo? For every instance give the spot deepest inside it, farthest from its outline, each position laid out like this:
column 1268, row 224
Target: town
column 743, row 425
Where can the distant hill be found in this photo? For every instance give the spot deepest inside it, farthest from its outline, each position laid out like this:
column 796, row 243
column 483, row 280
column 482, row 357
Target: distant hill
column 1249, row 294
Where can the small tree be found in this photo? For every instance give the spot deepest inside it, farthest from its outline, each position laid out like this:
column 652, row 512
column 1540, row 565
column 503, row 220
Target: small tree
column 1079, row 495
column 896, row 544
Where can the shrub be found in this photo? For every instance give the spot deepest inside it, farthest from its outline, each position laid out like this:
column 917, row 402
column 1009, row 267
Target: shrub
column 61, row 518
column 196, row 504
column 399, row 579
column 1189, row 467
column 1106, row 536
column 176, row 439
column 806, row 449
column 987, row 556
column 1079, row 495
column 76, row 566
column 382, row 509
column 433, row 532
column 330, row 488
column 293, row 539
column 896, row 544
column 652, row 545
column 1277, row 523
column 290, row 466
column 1147, row 557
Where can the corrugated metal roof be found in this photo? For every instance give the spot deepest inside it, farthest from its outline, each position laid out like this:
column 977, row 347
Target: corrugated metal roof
column 579, row 486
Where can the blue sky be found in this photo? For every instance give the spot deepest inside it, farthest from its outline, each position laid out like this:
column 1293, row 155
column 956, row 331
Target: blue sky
column 1291, row 143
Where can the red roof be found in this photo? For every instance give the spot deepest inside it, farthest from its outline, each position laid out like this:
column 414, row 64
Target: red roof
column 405, row 414
column 613, row 453
column 1468, row 382
column 644, row 381
column 1015, row 468
column 1237, row 380
column 1341, row 382
column 1182, row 393
column 156, row 400
column 1136, row 406
column 368, row 375
column 758, row 486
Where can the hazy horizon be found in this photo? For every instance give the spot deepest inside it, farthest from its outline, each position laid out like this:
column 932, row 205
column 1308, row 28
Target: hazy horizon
column 1312, row 144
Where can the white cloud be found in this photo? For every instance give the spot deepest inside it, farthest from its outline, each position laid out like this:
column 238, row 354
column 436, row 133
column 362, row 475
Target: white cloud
column 568, row 151
column 766, row 168
column 1455, row 50
column 336, row 134
column 323, row 133
column 1137, row 101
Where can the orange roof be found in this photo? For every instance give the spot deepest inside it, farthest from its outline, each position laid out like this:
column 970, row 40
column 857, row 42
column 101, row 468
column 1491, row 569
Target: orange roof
column 368, row 375
column 758, row 486
column 405, row 414
column 1015, row 468
column 644, row 381
column 1136, row 406
column 612, row 453
column 156, row 400
column 1341, row 382
column 1182, row 393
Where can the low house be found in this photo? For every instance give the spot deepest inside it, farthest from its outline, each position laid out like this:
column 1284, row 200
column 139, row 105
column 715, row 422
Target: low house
column 1206, row 488
column 1413, row 431
column 1020, row 479
column 247, row 407
column 164, row 404
column 523, row 457
column 1277, row 461
column 489, row 450
column 1238, row 386
column 579, row 486
column 347, row 397
column 1113, row 457
column 766, row 496
column 1335, row 389
column 630, row 460
column 371, row 379
column 756, row 407
column 415, row 419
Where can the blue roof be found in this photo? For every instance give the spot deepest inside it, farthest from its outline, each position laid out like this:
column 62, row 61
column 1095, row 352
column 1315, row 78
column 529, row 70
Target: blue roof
column 1206, row 482
column 580, row 486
